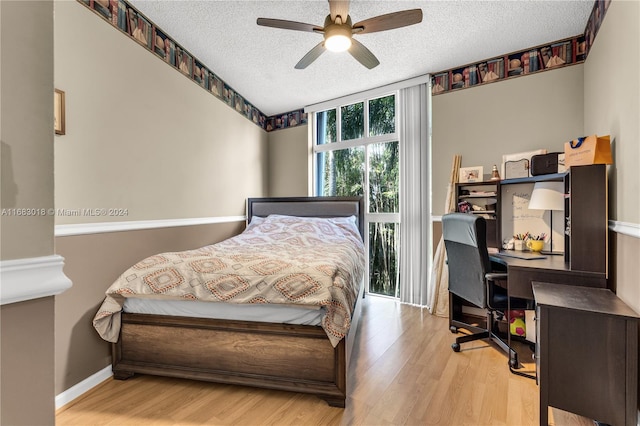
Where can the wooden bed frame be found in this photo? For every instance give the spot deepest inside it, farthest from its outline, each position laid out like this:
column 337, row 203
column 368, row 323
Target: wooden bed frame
column 296, row 358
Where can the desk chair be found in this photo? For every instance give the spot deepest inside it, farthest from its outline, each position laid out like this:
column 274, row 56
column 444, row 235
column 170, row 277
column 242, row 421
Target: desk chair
column 472, row 279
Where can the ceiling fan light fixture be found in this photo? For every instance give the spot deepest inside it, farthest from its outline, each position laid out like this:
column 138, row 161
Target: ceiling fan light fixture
column 337, row 38
column 338, row 31
column 337, row 43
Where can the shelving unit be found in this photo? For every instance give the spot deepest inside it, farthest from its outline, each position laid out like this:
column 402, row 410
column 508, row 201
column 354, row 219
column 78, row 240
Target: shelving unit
column 480, row 198
column 585, row 216
column 583, row 225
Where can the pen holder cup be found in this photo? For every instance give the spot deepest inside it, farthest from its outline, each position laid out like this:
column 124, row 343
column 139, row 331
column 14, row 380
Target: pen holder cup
column 518, row 245
column 535, row 245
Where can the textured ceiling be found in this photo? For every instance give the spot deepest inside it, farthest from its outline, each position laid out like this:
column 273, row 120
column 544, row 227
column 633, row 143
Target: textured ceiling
column 258, row 62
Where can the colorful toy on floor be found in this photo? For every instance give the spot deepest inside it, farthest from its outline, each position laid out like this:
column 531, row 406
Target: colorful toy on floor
column 517, row 324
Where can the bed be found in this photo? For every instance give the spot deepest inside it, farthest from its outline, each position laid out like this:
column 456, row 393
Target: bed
column 303, row 357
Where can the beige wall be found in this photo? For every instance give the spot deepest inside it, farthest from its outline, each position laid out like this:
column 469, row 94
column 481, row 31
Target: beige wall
column 611, row 102
column 80, row 352
column 26, row 353
column 521, row 114
column 26, row 133
column 25, row 127
column 139, row 136
column 289, row 162
column 142, row 136
column 612, row 106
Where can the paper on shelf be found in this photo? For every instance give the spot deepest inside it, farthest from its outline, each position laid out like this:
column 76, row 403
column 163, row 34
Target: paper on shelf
column 520, row 156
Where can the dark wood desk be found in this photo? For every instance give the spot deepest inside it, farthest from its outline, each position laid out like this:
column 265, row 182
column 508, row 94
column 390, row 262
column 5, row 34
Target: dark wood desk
column 587, row 353
column 551, row 269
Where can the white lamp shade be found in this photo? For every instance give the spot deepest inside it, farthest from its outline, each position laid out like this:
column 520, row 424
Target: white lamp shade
column 547, row 196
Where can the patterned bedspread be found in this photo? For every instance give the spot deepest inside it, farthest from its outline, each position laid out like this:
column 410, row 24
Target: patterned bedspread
column 276, row 260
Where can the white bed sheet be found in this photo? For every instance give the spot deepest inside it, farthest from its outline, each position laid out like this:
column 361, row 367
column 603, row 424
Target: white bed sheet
column 285, row 314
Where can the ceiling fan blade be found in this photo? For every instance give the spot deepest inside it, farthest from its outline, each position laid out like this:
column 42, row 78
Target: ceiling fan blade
column 363, row 55
column 311, row 56
column 339, row 8
column 288, row 25
column 388, row 21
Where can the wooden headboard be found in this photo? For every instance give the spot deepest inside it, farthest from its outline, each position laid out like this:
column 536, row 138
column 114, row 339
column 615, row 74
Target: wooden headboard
column 308, row 207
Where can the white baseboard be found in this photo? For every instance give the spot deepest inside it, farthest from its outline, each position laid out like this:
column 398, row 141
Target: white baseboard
column 86, row 385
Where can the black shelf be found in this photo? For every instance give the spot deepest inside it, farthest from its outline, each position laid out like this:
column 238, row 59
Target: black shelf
column 474, row 196
column 490, row 192
column 539, row 178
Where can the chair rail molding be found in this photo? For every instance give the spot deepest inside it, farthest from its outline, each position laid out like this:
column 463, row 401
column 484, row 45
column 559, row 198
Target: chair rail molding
column 32, row 278
column 630, row 229
column 137, row 225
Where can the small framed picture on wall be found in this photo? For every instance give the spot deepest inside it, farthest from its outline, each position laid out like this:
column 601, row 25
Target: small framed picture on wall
column 471, row 174
column 58, row 111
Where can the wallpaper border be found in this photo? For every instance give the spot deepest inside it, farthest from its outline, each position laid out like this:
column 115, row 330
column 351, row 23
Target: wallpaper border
column 570, row 51
column 128, row 20
column 554, row 55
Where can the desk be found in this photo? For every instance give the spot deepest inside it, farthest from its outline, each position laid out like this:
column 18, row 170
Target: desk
column 551, row 269
column 587, row 353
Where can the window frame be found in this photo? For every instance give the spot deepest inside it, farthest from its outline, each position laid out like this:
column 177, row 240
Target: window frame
column 365, row 141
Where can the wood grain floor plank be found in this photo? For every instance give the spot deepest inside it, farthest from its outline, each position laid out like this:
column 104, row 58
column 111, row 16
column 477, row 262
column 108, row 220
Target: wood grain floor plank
column 403, row 372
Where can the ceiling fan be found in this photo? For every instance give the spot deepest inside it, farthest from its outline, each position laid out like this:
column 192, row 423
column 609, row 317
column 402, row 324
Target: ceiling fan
column 338, row 31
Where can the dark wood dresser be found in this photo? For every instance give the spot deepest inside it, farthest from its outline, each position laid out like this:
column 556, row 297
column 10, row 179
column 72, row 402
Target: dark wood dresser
column 587, row 353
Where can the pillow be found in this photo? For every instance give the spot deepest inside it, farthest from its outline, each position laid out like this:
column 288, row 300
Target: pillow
column 255, row 221
column 339, row 219
column 346, row 223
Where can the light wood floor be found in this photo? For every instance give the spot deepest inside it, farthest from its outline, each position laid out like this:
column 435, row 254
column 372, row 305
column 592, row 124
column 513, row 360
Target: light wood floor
column 403, row 372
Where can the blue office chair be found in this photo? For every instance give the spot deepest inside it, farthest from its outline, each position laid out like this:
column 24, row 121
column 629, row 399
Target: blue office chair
column 474, row 279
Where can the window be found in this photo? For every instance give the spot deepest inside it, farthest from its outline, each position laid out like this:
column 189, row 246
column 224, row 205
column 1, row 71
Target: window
column 356, row 153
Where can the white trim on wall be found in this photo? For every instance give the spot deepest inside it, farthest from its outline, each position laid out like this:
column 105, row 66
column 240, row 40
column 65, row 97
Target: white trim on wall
column 32, row 278
column 135, row 225
column 84, row 386
column 630, row 229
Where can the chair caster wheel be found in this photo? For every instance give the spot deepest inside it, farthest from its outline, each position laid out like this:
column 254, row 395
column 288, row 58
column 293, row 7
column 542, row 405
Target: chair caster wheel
column 453, row 329
column 455, row 347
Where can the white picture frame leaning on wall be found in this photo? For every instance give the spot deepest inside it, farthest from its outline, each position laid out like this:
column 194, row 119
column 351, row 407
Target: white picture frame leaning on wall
column 471, row 174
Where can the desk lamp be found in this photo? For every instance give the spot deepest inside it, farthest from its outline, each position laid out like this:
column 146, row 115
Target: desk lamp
column 548, row 196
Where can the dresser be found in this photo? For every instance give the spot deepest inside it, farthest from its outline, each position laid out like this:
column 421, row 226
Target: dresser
column 587, row 353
